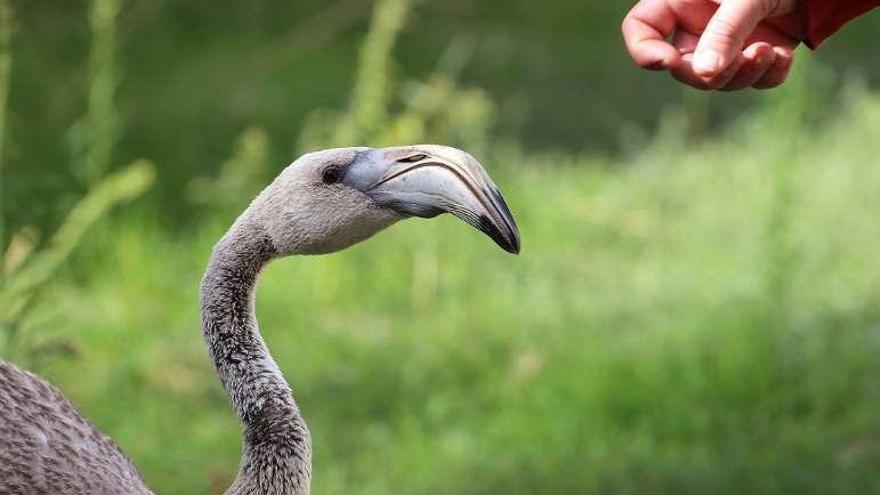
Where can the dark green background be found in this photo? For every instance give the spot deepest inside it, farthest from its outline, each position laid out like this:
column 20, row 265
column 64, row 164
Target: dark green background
column 694, row 311
column 194, row 74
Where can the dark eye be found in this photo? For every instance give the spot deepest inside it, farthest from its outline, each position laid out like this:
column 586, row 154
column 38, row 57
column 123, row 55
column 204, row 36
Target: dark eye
column 413, row 158
column 331, row 175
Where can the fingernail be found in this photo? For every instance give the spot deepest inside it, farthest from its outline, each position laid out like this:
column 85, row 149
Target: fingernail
column 707, row 62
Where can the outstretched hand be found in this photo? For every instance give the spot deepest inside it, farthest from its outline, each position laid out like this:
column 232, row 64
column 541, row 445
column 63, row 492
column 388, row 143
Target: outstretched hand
column 715, row 45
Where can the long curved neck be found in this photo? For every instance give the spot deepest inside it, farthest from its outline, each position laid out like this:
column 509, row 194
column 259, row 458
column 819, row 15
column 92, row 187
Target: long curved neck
column 276, row 450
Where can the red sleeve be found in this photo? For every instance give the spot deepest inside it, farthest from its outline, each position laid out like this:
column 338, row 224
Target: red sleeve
column 825, row 17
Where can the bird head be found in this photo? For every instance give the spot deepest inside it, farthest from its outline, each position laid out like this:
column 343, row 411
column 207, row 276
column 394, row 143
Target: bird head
column 328, row 200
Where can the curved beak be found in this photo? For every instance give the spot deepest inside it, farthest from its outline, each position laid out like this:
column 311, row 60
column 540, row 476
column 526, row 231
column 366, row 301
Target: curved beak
column 427, row 180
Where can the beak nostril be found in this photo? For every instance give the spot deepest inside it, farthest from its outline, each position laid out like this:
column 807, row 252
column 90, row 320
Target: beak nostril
column 413, row 158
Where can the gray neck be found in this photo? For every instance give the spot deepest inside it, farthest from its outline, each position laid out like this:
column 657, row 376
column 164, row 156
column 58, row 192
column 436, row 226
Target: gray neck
column 276, row 450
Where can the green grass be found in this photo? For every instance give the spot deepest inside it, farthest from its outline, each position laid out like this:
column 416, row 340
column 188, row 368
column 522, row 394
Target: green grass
column 699, row 319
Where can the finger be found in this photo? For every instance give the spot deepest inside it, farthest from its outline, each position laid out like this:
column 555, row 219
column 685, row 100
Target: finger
column 645, row 30
column 727, row 75
column 759, row 57
column 725, row 34
column 684, row 72
column 684, row 41
column 766, row 33
column 778, row 72
column 782, row 7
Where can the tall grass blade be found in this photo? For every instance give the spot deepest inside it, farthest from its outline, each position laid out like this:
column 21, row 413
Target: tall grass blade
column 95, row 136
column 369, row 106
column 122, row 186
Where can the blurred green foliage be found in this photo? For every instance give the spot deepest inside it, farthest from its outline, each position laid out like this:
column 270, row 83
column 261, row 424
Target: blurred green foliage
column 6, row 28
column 694, row 310
column 191, row 76
column 27, row 269
column 436, row 109
column 92, row 139
column 27, row 265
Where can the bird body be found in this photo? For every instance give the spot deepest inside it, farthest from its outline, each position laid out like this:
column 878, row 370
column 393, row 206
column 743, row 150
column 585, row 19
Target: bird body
column 323, row 202
column 46, row 446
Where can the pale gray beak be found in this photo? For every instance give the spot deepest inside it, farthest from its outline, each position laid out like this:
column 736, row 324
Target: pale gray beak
column 427, row 180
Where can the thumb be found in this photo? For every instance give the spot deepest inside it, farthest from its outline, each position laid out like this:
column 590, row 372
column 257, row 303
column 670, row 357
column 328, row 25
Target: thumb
column 725, row 34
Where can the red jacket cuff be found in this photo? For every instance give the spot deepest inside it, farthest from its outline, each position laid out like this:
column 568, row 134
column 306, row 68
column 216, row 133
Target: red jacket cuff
column 825, row 17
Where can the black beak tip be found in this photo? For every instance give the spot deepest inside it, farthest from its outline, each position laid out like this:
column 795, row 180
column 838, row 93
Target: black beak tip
column 509, row 242
column 514, row 246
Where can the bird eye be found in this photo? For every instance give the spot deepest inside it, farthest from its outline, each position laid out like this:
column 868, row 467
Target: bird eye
column 331, row 175
column 413, row 158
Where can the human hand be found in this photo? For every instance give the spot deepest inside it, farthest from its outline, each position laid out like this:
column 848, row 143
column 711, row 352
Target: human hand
column 715, row 45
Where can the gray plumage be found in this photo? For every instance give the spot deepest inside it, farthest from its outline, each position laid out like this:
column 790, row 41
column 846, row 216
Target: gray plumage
column 323, row 202
column 46, row 446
